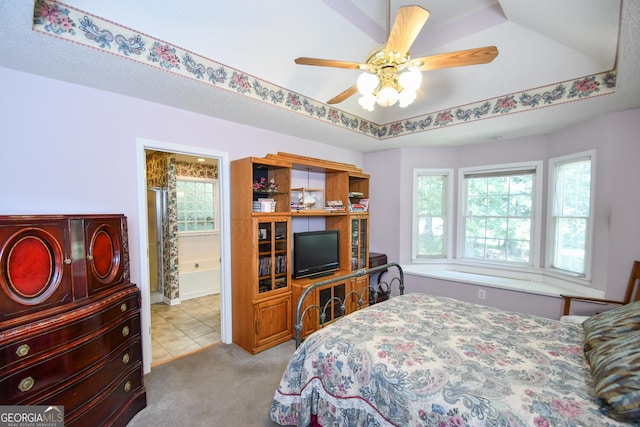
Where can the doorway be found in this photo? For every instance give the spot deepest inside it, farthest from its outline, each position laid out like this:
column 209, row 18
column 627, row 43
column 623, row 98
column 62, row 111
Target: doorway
column 184, row 253
column 173, row 309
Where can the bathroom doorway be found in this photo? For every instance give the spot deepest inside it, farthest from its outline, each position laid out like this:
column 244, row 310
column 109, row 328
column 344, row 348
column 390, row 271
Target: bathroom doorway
column 184, row 253
column 181, row 315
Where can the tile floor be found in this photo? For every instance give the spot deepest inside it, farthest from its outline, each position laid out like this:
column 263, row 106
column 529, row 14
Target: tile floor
column 183, row 328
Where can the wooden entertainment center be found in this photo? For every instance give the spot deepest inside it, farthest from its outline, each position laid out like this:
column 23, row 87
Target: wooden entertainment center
column 264, row 292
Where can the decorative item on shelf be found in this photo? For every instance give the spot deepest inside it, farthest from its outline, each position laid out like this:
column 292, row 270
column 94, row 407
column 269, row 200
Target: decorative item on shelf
column 308, row 201
column 335, row 206
column 262, row 186
column 306, row 198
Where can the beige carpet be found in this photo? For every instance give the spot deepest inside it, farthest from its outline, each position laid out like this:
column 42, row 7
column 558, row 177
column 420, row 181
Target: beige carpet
column 222, row 385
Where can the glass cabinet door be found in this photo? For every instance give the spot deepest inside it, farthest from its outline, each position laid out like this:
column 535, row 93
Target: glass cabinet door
column 330, row 301
column 359, row 243
column 272, row 255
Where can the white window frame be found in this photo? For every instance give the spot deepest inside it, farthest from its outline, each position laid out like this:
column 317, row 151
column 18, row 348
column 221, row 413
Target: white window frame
column 216, row 202
column 536, row 209
column 551, row 231
column 448, row 212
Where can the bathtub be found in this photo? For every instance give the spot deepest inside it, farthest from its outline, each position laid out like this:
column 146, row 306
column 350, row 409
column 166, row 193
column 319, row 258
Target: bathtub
column 199, row 278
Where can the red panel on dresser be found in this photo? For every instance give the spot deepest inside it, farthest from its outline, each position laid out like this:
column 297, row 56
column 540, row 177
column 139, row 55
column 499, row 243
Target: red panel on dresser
column 30, row 267
column 103, row 254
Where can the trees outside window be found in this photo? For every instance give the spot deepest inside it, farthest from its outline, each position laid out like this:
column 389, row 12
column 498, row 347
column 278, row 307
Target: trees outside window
column 432, row 197
column 498, row 215
column 570, row 213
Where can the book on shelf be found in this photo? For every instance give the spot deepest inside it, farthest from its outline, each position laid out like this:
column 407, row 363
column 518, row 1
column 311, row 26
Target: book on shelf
column 361, row 206
column 264, row 266
column 335, row 206
column 264, row 205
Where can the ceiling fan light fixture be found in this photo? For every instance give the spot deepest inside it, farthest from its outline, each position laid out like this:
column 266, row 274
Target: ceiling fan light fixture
column 367, row 83
column 367, row 102
column 410, row 80
column 406, row 97
column 387, row 96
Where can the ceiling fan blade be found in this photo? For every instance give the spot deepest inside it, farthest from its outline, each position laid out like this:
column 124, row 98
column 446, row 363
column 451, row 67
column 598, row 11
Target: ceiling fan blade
column 330, row 63
column 409, row 21
column 481, row 55
column 343, row 95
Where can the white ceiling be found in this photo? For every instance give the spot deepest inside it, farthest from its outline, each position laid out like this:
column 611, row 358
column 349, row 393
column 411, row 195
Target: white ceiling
column 541, row 42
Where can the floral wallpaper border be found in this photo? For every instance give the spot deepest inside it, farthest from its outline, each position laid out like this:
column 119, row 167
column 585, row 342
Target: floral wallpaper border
column 65, row 22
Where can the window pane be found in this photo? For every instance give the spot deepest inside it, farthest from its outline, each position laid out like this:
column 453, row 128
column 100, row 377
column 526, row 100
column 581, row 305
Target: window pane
column 476, row 227
column 497, row 185
column 571, row 210
column 518, row 250
column 431, row 195
column 520, row 205
column 570, row 244
column 431, row 215
column 573, row 189
column 497, row 205
column 196, row 206
column 477, row 206
column 499, row 216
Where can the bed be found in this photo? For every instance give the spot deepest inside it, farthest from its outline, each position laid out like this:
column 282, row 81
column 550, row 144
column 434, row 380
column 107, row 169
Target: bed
column 424, row 360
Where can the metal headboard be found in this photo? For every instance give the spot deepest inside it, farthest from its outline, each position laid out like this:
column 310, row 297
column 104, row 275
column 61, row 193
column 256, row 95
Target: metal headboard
column 385, row 286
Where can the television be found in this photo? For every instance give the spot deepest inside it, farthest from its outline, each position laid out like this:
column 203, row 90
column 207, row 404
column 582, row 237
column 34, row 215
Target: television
column 316, row 253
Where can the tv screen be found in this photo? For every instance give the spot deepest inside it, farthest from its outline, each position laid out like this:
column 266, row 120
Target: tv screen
column 316, row 253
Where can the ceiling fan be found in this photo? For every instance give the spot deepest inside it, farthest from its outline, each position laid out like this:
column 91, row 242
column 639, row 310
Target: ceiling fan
column 391, row 75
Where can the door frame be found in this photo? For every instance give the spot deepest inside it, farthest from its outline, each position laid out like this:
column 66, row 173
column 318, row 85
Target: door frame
column 225, row 241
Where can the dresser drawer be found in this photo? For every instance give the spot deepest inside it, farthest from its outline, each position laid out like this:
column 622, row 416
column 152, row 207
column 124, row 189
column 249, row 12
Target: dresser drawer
column 25, row 343
column 91, row 383
column 73, row 358
column 116, row 405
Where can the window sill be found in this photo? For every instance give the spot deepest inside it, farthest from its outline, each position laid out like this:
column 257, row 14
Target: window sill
column 539, row 283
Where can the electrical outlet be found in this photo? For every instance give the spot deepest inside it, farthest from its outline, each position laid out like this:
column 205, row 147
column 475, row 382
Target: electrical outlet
column 482, row 294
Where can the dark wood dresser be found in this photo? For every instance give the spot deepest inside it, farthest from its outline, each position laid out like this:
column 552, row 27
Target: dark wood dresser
column 70, row 318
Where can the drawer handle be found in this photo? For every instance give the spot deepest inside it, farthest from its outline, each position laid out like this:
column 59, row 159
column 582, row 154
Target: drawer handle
column 23, row 350
column 26, row 384
column 127, row 386
column 125, row 358
column 123, row 307
column 125, row 331
column 67, row 261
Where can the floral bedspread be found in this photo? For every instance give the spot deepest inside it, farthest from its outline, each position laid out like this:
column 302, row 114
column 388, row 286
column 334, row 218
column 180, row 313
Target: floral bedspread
column 420, row 360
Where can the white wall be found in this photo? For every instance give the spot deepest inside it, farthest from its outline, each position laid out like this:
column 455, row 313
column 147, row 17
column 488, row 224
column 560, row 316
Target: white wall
column 617, row 201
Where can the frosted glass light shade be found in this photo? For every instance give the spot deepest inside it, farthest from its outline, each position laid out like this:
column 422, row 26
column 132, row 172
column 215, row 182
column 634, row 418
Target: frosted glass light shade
column 387, row 96
column 406, row 97
column 366, row 83
column 410, row 80
column 367, row 102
